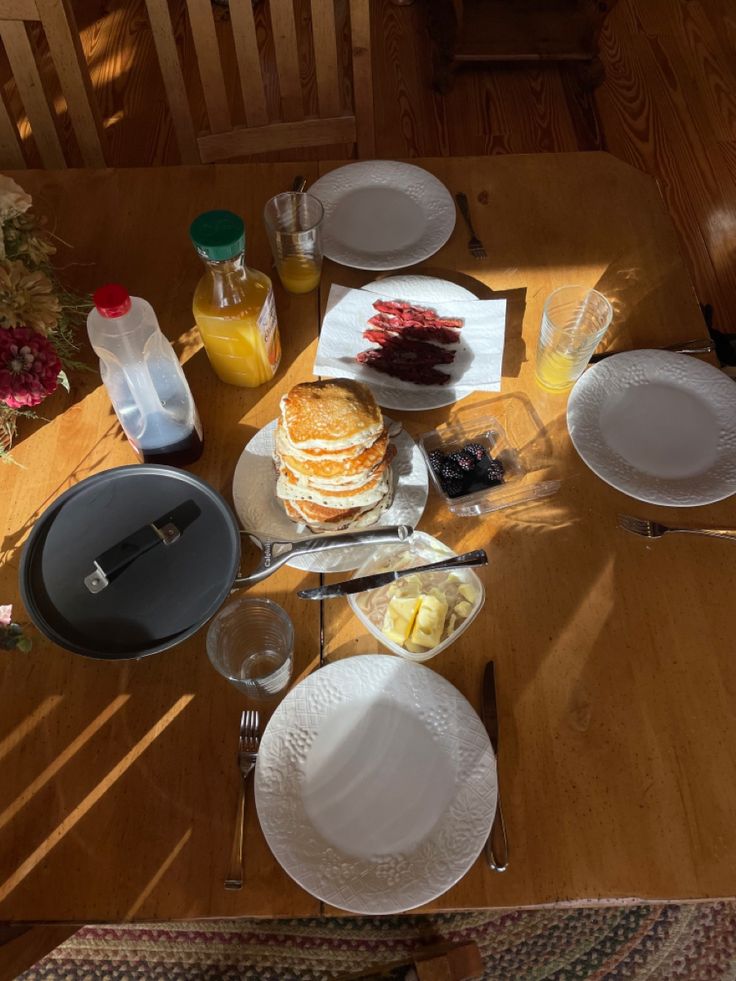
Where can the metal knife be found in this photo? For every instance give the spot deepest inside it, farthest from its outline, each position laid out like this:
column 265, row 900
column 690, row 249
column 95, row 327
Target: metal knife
column 299, row 184
column 478, row 557
column 498, row 828
column 698, row 346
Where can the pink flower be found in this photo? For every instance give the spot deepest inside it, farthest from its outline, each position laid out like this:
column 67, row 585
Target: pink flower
column 29, row 367
column 6, row 614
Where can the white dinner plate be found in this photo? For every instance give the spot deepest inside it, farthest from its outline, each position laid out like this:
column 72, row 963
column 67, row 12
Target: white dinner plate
column 418, row 289
column 375, row 784
column 658, row 426
column 382, row 214
column 260, row 511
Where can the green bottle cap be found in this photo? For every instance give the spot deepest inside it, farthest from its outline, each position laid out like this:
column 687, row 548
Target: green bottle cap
column 218, row 235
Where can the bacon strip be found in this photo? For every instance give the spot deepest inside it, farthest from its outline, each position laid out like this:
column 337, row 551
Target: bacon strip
column 410, row 352
column 419, row 374
column 404, row 333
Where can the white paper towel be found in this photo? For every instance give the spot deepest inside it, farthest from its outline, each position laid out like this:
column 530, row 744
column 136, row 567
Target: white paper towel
column 478, row 358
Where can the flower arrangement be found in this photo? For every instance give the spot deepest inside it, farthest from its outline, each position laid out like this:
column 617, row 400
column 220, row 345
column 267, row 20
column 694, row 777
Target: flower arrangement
column 38, row 317
column 12, row 637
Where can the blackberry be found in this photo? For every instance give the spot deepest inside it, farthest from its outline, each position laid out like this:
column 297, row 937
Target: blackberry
column 453, row 487
column 475, row 449
column 436, row 459
column 495, row 472
column 465, row 461
column 450, row 471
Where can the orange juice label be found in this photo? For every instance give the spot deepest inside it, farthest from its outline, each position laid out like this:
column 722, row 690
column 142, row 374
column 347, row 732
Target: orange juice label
column 269, row 329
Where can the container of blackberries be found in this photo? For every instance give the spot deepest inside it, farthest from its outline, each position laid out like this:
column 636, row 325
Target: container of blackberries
column 475, row 465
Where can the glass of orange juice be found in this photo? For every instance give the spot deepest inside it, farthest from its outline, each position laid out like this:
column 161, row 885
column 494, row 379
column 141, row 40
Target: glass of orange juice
column 294, row 225
column 574, row 320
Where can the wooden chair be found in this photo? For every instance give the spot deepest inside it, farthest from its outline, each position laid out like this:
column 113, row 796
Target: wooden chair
column 261, row 133
column 62, row 36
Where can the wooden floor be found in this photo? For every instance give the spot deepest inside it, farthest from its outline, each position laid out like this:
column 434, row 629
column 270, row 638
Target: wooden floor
column 668, row 106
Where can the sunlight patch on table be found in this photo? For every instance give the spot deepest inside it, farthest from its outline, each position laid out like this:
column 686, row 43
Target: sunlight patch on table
column 62, row 759
column 40, row 853
column 28, row 724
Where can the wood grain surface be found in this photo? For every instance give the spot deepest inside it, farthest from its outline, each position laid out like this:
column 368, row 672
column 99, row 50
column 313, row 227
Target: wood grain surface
column 613, row 658
column 119, row 781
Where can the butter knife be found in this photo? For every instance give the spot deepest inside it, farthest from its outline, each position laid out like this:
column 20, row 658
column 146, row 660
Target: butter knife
column 478, row 557
column 498, row 828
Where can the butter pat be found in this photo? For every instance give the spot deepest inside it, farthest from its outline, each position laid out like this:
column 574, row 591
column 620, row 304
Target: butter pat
column 399, row 618
column 468, row 592
column 463, row 609
column 429, row 621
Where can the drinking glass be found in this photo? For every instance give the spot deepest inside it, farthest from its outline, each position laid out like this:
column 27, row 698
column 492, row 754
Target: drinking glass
column 251, row 643
column 575, row 319
column 294, row 226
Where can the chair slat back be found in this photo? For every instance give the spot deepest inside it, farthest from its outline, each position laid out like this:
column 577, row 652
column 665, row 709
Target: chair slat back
column 324, row 39
column 287, row 59
column 173, row 78
column 249, row 62
column 263, row 131
column 60, row 29
column 11, row 155
column 30, row 88
column 210, row 64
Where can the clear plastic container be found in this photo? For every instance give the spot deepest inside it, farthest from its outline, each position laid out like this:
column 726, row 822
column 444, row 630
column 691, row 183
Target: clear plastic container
column 143, row 378
column 509, row 430
column 420, row 549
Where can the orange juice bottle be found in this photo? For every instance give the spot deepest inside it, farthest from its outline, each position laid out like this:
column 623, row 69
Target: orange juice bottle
column 233, row 305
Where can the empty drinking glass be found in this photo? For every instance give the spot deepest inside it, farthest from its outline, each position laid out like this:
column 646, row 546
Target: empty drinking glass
column 251, row 643
column 293, row 223
column 574, row 321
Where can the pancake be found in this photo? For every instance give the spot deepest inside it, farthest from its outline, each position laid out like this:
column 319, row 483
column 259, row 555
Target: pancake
column 344, row 463
column 284, row 445
column 330, row 474
column 330, row 415
column 352, row 520
column 333, row 456
column 289, row 489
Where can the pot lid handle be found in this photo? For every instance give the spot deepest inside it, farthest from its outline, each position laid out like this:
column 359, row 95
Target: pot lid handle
column 164, row 530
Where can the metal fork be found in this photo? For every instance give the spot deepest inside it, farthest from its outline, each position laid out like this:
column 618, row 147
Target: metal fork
column 475, row 246
column 652, row 529
column 248, row 742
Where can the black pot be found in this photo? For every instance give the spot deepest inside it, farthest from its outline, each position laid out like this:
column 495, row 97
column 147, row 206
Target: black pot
column 130, row 562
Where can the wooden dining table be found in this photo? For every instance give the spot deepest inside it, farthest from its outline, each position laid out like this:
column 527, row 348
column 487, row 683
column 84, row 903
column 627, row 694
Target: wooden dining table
column 615, row 666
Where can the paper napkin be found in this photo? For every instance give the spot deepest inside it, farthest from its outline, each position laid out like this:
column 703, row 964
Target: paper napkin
column 478, row 358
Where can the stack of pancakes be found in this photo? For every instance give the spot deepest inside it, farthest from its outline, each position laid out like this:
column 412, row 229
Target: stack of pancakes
column 333, row 456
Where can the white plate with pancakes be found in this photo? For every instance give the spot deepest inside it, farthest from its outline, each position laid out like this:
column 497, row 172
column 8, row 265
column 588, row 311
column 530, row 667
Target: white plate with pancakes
column 261, row 511
column 375, row 784
column 383, row 214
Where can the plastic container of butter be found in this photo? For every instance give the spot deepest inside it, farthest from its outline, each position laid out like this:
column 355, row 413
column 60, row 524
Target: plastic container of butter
column 421, row 549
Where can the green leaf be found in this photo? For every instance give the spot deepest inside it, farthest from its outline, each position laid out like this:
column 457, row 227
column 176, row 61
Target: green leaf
column 64, row 381
column 24, row 644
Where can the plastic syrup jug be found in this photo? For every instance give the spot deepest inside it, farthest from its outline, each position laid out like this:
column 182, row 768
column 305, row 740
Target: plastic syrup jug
column 143, row 378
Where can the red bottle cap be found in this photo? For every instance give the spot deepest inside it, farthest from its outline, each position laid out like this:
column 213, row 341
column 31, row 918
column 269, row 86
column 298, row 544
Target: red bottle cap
column 112, row 300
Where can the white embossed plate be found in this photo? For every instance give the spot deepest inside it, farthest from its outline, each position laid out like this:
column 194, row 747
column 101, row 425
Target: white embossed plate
column 383, row 214
column 260, row 511
column 658, row 426
column 375, row 784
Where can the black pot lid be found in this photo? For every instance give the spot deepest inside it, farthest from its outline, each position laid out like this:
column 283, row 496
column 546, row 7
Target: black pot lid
column 130, row 562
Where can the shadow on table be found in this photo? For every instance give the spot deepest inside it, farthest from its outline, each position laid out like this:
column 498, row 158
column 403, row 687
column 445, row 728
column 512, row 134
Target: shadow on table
column 635, row 300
